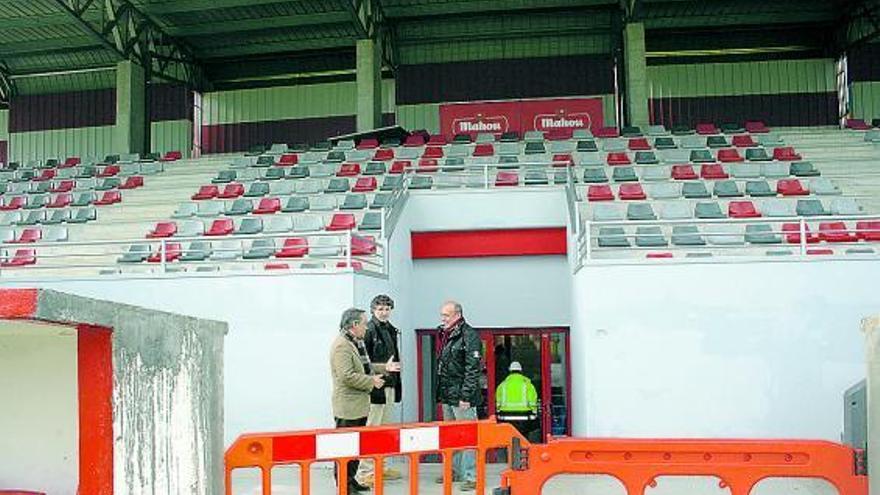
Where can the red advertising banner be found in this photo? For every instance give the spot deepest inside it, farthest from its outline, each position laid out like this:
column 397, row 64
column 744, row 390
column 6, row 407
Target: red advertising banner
column 551, row 115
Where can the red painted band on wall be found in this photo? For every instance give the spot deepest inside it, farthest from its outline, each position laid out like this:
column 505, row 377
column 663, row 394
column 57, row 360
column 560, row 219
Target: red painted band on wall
column 95, row 380
column 18, row 303
column 482, row 243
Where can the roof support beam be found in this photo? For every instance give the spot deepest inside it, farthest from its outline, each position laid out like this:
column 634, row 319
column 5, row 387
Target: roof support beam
column 7, row 87
column 133, row 35
column 370, row 22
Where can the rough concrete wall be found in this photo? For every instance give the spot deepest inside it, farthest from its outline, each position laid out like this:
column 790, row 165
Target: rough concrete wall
column 167, row 394
column 871, row 327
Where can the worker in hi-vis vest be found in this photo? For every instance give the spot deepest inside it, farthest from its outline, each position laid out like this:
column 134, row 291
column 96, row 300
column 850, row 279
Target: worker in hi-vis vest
column 516, row 394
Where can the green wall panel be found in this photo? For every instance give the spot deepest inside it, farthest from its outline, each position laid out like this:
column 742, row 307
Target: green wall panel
column 865, row 100
column 288, row 102
column 61, row 143
column 742, row 78
column 171, row 135
column 4, row 125
column 609, row 110
column 63, row 83
column 412, row 117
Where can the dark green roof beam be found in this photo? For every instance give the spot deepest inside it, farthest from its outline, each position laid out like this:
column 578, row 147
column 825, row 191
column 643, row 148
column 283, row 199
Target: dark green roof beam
column 296, row 20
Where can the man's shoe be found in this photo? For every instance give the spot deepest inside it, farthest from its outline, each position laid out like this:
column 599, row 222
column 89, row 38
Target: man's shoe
column 439, row 479
column 468, row 486
column 392, row 474
column 354, row 487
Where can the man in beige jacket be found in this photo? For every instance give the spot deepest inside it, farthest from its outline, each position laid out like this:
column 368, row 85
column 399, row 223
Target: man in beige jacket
column 353, row 379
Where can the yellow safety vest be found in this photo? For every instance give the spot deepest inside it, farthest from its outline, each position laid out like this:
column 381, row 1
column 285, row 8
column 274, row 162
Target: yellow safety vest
column 516, row 394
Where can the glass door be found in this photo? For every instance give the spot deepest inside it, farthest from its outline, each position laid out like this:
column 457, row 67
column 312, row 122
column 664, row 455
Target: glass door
column 543, row 356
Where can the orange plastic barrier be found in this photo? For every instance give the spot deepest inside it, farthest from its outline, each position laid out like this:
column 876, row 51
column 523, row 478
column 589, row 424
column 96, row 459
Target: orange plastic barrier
column 739, row 464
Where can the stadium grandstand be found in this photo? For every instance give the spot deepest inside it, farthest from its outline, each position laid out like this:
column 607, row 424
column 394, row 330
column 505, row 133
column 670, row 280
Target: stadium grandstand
column 667, row 212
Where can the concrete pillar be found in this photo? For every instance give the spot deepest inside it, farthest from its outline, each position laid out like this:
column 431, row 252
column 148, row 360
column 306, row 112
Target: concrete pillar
column 369, row 85
column 871, row 327
column 130, row 135
column 636, row 73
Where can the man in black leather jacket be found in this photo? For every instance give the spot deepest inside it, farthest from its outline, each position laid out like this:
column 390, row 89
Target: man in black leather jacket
column 381, row 342
column 458, row 381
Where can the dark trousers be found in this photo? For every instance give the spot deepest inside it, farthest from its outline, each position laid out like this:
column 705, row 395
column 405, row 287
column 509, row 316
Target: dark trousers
column 352, row 466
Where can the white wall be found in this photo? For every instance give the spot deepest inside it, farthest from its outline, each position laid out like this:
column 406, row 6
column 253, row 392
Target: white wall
column 39, row 410
column 276, row 370
column 755, row 350
column 516, row 291
column 486, row 209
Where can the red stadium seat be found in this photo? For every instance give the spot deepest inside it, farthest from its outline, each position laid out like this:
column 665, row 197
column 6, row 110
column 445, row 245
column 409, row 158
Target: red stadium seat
column 276, row 266
column 756, row 127
column 398, row 166
column 133, row 182
column 506, row 179
column 383, row 155
column 729, row 155
column 607, row 132
column 437, row 140
column 29, row 235
column 162, row 229
column 355, row 265
column 109, row 198
column 744, row 141
column 13, row 203
column 791, row 187
column 268, row 206
column 349, row 170
column 658, row 255
column 836, row 232
column 231, row 191
column 206, row 192
column 221, row 226
column 742, row 209
column 71, row 162
column 792, row 233
column 857, row 125
column 171, row 156
column 22, row 257
column 820, row 252
column 47, row 174
column 414, row 141
column 707, row 128
column 868, row 230
column 712, row 171
column 600, row 192
column 60, row 201
column 363, row 245
column 433, row 152
column 563, row 160
column 294, row 247
column 368, row 144
column 365, row 184
column 484, row 149
column 287, row 160
column 618, row 158
column 109, row 171
column 342, row 221
column 428, row 165
column 684, row 172
column 63, row 186
column 639, row 144
column 173, row 250
column 631, row 191
column 785, row 154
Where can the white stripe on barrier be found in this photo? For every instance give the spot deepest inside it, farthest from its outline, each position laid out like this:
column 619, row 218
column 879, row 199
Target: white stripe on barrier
column 419, row 439
column 338, row 445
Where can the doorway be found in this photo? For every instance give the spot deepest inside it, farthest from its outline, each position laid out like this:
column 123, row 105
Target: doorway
column 544, row 356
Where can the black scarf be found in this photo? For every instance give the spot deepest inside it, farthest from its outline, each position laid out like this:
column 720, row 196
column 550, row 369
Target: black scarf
column 362, row 351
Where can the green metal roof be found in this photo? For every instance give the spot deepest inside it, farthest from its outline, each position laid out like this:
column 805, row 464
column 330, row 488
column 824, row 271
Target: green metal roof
column 42, row 36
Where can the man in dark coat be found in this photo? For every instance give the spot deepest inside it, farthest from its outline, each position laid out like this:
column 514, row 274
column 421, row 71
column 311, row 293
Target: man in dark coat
column 458, row 382
column 381, row 342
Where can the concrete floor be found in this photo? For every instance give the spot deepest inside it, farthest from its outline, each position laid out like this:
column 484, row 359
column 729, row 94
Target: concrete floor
column 286, row 482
